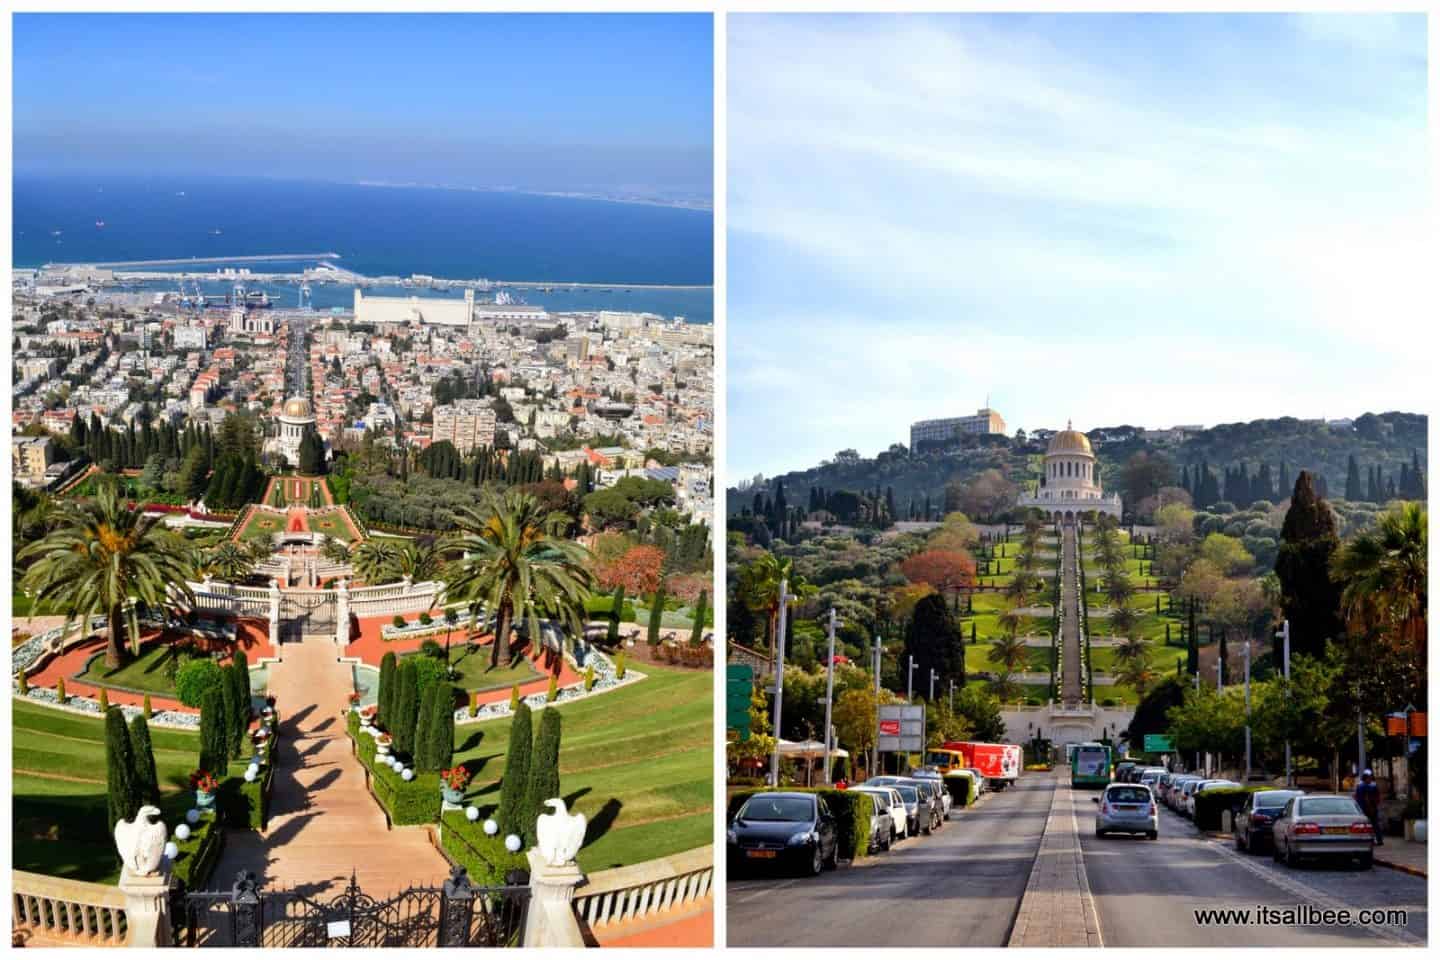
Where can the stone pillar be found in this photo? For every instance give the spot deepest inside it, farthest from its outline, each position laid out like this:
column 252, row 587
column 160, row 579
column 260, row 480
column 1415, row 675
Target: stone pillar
column 147, row 907
column 550, row 920
column 275, row 615
column 342, row 613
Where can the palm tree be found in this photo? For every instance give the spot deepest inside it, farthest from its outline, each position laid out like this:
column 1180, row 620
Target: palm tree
column 105, row 558
column 257, row 549
column 1020, row 590
column 759, row 589
column 1119, row 589
column 1123, row 621
column 337, row 551
column 1384, row 575
column 1132, row 648
column 228, row 561
column 1137, row 674
column 516, row 562
column 374, row 560
column 451, row 618
column 1009, row 653
column 420, row 560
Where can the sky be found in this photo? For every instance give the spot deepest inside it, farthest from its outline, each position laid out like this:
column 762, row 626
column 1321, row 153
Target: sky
column 1150, row 220
column 464, row 100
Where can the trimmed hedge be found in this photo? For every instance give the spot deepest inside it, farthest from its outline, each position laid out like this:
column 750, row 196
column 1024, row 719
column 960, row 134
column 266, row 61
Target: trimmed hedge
column 1211, row 803
column 248, row 804
column 199, row 854
column 484, row 858
column 852, row 826
column 405, row 802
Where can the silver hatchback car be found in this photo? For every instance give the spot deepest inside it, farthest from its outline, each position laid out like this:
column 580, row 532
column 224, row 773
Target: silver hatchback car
column 1127, row 808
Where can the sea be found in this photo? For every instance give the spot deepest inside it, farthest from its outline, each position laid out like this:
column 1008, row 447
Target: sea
column 378, row 231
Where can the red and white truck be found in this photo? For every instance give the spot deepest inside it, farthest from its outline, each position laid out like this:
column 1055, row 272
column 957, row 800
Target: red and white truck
column 998, row 762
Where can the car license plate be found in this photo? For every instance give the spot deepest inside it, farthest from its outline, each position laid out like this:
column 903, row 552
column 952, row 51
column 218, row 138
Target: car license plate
column 761, row 854
column 1337, row 829
column 1127, row 808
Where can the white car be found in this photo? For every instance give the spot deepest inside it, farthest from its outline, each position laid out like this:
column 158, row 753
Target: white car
column 1203, row 785
column 896, row 805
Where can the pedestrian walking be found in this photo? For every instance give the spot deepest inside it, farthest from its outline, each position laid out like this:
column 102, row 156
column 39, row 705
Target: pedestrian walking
column 1367, row 795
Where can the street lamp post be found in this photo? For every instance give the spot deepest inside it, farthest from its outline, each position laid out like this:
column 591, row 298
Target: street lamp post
column 1247, row 710
column 910, row 680
column 952, row 696
column 875, row 747
column 785, row 599
column 1285, row 640
column 933, row 677
column 829, row 693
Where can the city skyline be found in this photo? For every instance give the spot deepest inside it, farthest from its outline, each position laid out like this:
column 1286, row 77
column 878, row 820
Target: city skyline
column 1048, row 208
column 602, row 104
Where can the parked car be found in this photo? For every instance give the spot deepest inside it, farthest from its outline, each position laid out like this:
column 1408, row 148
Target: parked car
column 1203, row 785
column 1127, row 808
column 1149, row 776
column 932, row 776
column 894, row 806
column 1323, row 825
column 1122, row 770
column 930, row 792
column 1182, row 799
column 794, row 830
column 917, row 806
column 882, row 827
column 1256, row 818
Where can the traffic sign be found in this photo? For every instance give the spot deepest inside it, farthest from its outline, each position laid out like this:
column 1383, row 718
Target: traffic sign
column 1158, row 743
column 901, row 728
column 739, row 685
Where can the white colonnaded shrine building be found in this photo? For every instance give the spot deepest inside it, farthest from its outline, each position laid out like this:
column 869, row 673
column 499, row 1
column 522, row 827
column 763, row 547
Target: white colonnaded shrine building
column 1070, row 484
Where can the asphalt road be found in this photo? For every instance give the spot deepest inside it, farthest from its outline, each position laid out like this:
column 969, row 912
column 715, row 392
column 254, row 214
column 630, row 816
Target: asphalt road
column 1146, row 892
column 960, row 887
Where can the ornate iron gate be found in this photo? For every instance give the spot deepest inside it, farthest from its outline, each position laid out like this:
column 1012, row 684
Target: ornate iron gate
column 305, row 614
column 454, row 914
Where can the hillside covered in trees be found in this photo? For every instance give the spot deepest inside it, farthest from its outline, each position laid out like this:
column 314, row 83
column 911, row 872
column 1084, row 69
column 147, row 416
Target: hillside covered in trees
column 1379, row 458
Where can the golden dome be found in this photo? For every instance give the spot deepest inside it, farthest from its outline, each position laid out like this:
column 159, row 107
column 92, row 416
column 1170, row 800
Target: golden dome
column 1069, row 441
column 297, row 408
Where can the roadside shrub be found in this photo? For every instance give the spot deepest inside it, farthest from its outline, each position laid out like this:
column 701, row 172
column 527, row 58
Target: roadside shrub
column 852, row 821
column 1211, row 803
column 194, row 678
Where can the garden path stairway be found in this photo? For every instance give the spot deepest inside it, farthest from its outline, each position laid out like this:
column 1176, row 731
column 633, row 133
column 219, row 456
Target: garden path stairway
column 1070, row 604
column 323, row 821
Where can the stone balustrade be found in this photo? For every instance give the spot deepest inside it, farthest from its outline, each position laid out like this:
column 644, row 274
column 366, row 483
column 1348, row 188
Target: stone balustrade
column 644, row 889
column 52, row 911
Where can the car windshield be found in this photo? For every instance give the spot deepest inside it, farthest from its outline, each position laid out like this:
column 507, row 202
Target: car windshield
column 908, row 794
column 778, row 809
column 1128, row 795
column 1272, row 801
column 1323, row 805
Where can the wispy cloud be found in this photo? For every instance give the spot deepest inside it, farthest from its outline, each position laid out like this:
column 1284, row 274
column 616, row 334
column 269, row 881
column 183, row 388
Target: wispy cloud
column 1023, row 205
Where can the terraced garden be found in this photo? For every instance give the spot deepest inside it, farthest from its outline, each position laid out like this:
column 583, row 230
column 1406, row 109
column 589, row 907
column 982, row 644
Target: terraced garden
column 636, row 761
column 982, row 616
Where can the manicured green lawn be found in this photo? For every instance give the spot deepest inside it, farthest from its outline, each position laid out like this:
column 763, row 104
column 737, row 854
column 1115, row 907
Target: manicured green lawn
column 21, row 605
column 261, row 525
column 146, row 673
column 473, row 666
column 977, row 657
column 636, row 761
column 330, row 524
column 59, row 791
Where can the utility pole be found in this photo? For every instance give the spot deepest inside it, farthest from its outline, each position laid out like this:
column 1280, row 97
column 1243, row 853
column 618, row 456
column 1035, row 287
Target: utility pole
column 875, row 747
column 829, row 693
column 910, row 680
column 952, row 696
column 1247, row 709
column 1285, row 639
column 785, row 599
column 933, row 677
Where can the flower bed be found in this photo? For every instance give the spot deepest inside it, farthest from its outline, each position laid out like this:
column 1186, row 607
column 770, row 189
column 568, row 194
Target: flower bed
column 605, row 679
column 165, row 718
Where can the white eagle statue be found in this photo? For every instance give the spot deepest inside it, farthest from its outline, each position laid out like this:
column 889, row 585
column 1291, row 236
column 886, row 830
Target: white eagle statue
column 141, row 842
column 558, row 835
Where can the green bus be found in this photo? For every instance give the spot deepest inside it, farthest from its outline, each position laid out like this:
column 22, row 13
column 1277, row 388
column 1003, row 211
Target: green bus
column 1090, row 765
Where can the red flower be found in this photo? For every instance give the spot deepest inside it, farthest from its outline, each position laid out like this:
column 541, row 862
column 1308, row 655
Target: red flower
column 456, row 778
column 202, row 780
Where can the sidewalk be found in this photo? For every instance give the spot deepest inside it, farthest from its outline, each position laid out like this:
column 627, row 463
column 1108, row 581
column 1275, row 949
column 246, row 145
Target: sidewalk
column 1057, row 909
column 1403, row 855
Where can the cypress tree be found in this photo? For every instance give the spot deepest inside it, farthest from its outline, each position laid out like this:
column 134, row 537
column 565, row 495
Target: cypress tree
column 147, row 783
column 231, row 707
column 214, row 735
column 657, row 611
column 121, row 795
column 1309, row 597
column 697, row 632
column 617, row 604
column 424, row 717
column 239, row 677
column 386, row 693
column 1352, row 480
column 544, row 780
column 442, row 727
column 516, row 778
column 405, row 706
